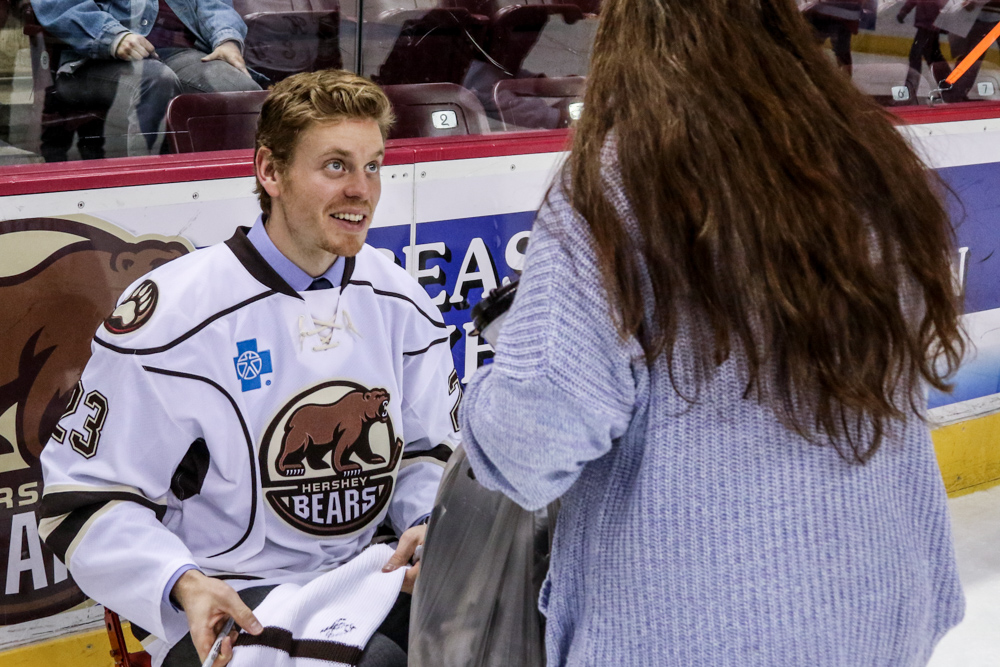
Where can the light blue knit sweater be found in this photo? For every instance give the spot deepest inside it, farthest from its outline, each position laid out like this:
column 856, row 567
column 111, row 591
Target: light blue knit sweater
column 705, row 534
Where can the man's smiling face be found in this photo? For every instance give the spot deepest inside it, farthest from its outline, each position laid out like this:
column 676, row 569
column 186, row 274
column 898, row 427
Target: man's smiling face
column 324, row 199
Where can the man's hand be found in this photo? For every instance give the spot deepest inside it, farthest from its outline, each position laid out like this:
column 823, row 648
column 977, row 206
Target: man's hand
column 408, row 543
column 134, row 47
column 230, row 53
column 208, row 603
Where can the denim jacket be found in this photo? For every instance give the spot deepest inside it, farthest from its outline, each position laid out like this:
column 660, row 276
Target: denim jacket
column 92, row 27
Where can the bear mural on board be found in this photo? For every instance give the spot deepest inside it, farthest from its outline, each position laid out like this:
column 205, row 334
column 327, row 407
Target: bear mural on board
column 314, row 430
column 59, row 279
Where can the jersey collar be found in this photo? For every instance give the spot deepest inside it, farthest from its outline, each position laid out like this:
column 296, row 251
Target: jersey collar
column 258, row 267
column 289, row 271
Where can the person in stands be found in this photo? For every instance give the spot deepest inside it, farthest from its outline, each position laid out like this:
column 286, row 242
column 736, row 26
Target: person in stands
column 926, row 44
column 837, row 21
column 963, row 42
column 735, row 296
column 144, row 55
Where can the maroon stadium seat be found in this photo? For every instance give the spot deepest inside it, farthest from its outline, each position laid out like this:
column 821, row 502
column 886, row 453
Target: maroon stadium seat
column 431, row 46
column 515, row 30
column 586, row 6
column 483, row 8
column 214, row 121
column 280, row 44
column 223, row 121
column 517, row 100
column 435, row 110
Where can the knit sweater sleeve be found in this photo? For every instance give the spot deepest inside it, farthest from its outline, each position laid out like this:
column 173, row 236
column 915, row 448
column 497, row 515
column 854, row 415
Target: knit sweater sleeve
column 561, row 388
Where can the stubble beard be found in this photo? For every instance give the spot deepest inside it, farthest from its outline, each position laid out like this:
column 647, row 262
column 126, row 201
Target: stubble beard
column 345, row 246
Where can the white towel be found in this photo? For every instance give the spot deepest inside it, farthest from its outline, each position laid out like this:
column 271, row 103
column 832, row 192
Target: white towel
column 326, row 622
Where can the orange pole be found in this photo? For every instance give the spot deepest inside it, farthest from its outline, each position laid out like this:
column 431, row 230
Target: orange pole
column 974, row 55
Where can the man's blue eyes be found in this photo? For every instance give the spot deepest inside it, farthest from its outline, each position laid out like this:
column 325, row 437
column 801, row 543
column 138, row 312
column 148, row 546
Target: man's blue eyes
column 371, row 168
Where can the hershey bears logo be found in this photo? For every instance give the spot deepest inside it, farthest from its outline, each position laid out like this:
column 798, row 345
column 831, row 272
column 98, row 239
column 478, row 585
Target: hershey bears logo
column 135, row 310
column 328, row 459
column 59, row 277
column 343, row 427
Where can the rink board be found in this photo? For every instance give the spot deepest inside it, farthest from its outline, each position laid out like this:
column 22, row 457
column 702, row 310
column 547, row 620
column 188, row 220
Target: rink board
column 458, row 219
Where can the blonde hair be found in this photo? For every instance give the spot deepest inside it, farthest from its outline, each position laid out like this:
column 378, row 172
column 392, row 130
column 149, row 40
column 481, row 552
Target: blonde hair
column 296, row 103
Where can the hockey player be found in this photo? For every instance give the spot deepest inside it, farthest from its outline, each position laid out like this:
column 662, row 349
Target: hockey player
column 253, row 411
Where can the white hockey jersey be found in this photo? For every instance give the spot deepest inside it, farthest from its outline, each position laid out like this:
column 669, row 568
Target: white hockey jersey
column 259, row 433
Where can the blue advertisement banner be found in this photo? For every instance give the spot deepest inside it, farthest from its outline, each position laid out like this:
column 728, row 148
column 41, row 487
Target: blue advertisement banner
column 393, row 239
column 458, row 262
column 975, row 212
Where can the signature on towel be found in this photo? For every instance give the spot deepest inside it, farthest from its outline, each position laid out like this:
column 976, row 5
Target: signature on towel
column 339, row 627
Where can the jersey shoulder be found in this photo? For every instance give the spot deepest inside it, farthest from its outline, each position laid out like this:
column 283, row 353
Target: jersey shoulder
column 177, row 298
column 374, row 270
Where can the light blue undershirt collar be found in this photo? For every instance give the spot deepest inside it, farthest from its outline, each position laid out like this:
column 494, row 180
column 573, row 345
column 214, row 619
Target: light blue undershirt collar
column 290, row 272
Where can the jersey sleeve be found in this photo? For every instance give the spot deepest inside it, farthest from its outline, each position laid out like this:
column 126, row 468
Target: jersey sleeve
column 107, row 472
column 431, row 395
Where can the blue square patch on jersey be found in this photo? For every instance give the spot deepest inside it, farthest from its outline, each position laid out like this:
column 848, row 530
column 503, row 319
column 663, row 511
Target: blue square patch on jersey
column 251, row 364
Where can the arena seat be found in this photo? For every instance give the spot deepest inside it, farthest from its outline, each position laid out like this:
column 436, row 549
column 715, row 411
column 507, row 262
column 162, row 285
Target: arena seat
column 483, row 8
column 586, row 6
column 119, row 651
column 516, row 100
column 280, row 44
column 429, row 46
column 435, row 110
column 214, row 121
column 515, row 30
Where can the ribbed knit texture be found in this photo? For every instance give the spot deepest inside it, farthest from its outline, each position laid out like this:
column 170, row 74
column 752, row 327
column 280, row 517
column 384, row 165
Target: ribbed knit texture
column 705, row 533
column 329, row 620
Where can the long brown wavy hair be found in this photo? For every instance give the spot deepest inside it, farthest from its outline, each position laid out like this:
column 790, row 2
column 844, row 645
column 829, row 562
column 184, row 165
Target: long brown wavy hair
column 776, row 199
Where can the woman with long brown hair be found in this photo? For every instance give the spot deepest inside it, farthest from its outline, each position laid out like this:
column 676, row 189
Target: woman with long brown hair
column 733, row 301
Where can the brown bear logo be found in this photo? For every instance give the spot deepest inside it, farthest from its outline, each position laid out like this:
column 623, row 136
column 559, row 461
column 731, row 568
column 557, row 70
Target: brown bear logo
column 51, row 311
column 59, row 279
column 343, row 427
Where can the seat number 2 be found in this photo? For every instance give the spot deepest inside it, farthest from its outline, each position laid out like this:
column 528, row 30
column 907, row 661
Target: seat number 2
column 84, row 443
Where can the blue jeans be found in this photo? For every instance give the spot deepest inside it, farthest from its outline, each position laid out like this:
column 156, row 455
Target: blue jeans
column 136, row 93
